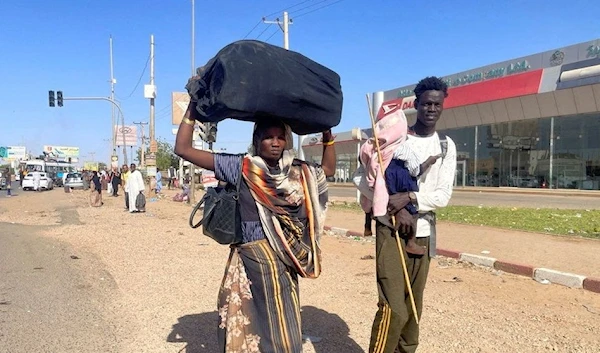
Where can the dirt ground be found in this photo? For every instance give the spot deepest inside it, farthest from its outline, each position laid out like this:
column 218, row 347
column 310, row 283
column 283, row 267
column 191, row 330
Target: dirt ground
column 162, row 279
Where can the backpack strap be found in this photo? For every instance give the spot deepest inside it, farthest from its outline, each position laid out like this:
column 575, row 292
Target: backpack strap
column 444, row 145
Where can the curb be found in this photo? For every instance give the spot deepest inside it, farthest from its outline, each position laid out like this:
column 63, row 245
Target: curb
column 504, row 190
column 538, row 274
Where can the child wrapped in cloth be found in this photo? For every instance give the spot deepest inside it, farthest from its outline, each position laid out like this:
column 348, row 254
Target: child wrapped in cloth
column 401, row 166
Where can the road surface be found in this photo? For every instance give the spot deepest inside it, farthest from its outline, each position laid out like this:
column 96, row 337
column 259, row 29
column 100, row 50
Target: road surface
column 149, row 283
column 48, row 303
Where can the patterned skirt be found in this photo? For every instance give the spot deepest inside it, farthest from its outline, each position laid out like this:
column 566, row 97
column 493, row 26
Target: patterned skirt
column 258, row 303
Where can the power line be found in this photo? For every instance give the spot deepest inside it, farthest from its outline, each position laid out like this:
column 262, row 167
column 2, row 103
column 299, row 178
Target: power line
column 271, row 14
column 164, row 108
column 287, row 8
column 139, row 79
column 272, row 34
column 309, row 6
column 317, row 9
column 264, row 30
column 252, row 30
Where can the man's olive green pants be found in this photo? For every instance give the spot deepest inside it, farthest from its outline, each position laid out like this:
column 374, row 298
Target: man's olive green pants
column 394, row 328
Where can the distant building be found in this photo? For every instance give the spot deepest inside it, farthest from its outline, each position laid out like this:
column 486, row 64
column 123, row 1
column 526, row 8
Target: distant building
column 528, row 122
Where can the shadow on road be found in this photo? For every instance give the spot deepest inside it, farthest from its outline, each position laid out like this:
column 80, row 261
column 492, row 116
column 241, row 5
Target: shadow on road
column 199, row 331
column 333, row 331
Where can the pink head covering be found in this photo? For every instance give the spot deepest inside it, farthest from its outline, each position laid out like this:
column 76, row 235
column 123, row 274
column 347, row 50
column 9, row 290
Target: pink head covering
column 391, row 129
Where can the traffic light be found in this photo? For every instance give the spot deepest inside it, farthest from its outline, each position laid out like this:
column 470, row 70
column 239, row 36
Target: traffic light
column 59, row 98
column 208, row 132
column 212, row 133
column 51, row 98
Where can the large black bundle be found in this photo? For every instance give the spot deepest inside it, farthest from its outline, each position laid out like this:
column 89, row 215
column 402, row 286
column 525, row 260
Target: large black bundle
column 250, row 80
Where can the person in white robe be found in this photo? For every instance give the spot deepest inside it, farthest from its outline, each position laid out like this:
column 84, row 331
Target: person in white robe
column 37, row 178
column 135, row 186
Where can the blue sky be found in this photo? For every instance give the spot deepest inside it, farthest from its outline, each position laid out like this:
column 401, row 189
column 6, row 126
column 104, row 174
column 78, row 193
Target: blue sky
column 373, row 45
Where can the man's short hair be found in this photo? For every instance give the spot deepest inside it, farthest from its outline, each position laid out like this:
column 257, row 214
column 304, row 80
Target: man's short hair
column 431, row 83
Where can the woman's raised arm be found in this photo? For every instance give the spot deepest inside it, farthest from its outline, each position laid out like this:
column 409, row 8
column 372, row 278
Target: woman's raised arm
column 183, row 142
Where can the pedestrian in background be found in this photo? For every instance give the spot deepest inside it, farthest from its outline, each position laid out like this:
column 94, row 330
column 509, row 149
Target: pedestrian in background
column 124, row 176
column 96, row 193
column 115, row 181
column 8, row 182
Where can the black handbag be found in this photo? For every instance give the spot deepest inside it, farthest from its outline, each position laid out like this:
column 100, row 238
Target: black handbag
column 221, row 220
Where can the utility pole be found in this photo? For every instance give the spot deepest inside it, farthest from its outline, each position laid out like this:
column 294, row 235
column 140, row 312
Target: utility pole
column 152, row 127
column 286, row 45
column 112, row 97
column 284, row 28
column 150, row 93
column 192, row 197
column 286, row 31
column 143, row 150
column 93, row 156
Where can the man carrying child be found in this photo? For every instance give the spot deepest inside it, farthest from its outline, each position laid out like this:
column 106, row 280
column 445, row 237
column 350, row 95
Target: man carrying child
column 431, row 161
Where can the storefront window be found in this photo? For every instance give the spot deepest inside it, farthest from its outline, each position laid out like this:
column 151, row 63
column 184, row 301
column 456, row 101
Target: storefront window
column 576, row 162
column 346, row 159
column 518, row 153
column 464, row 138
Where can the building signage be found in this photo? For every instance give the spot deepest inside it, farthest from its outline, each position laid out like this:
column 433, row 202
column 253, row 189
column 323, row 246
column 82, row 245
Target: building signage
column 126, row 135
column 14, row 153
column 557, row 58
column 61, row 151
column 179, row 105
column 492, row 73
column 405, row 93
column 408, row 103
column 593, row 51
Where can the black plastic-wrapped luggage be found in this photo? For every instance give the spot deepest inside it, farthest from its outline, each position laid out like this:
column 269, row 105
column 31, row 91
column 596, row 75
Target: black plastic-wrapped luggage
column 250, row 80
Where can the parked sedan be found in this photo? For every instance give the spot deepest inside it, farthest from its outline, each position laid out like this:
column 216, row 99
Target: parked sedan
column 74, row 181
column 46, row 182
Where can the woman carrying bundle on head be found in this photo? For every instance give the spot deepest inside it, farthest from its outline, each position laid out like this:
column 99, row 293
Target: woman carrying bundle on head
column 282, row 205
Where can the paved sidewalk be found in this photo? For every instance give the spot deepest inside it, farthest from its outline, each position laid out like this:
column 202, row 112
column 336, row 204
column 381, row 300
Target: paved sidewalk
column 535, row 250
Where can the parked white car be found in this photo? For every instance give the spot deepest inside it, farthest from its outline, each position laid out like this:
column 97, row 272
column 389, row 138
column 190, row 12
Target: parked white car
column 46, row 182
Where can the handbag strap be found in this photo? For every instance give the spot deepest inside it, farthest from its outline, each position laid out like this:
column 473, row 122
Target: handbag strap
column 201, row 202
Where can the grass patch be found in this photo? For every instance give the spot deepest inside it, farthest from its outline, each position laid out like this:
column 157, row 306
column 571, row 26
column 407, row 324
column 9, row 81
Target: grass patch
column 543, row 220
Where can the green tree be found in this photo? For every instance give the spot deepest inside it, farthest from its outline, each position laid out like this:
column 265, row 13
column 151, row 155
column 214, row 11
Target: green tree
column 165, row 157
